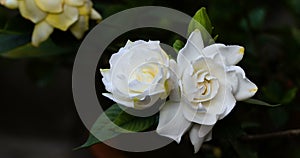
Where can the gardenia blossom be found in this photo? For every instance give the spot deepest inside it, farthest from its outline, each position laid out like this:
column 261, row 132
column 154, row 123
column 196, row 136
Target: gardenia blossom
column 140, row 74
column 50, row 14
column 210, row 85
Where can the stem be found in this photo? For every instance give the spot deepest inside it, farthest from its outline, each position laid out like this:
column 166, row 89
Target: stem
column 280, row 134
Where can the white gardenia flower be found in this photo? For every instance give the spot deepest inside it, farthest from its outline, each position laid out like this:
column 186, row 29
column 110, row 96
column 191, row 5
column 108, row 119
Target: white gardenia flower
column 210, row 85
column 139, row 75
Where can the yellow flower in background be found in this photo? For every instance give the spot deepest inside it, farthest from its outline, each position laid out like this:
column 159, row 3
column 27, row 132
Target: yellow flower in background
column 50, row 14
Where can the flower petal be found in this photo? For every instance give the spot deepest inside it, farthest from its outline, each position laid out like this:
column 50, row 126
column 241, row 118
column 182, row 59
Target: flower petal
column 64, row 20
column 41, row 32
column 106, row 79
column 172, row 124
column 30, row 10
column 199, row 134
column 75, row 3
column 222, row 103
column 191, row 51
column 119, row 100
column 11, row 4
column 95, row 15
column 231, row 54
column 78, row 29
column 245, row 88
column 51, row 6
column 198, row 114
column 85, row 9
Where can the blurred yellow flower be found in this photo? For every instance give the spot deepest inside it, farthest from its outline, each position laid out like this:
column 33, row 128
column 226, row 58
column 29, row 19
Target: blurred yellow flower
column 50, row 14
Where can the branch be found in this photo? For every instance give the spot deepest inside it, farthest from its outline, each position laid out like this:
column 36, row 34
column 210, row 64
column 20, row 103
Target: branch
column 280, row 134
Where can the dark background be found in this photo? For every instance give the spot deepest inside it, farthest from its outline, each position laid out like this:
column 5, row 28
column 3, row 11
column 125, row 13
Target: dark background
column 38, row 117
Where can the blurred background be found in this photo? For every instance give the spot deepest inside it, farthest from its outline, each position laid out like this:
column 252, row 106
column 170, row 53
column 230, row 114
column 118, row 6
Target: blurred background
column 38, row 117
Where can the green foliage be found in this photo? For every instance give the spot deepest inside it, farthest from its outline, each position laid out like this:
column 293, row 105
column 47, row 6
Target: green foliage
column 259, row 102
column 178, row 44
column 114, row 122
column 202, row 22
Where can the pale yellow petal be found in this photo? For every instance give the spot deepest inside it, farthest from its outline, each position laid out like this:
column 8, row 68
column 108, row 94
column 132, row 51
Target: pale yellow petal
column 95, row 15
column 30, row 10
column 51, row 6
column 11, row 4
column 64, row 20
column 80, row 27
column 41, row 32
column 86, row 8
column 75, row 3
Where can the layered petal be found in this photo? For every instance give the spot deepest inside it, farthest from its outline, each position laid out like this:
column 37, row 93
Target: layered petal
column 85, row 9
column 122, row 101
column 199, row 134
column 191, row 51
column 65, row 19
column 231, row 54
column 51, row 6
column 244, row 89
column 31, row 11
column 41, row 32
column 94, row 15
column 75, row 3
column 11, row 4
column 172, row 123
column 78, row 29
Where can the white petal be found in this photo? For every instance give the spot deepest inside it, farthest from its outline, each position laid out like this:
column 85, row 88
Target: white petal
column 222, row 103
column 197, row 114
column 30, row 10
column 95, row 15
column 51, row 6
column 106, row 79
column 118, row 100
column 75, row 3
column 245, row 88
column 65, row 19
column 11, row 4
column 191, row 51
column 231, row 54
column 85, row 9
column 199, row 134
column 172, row 124
column 41, row 32
column 78, row 29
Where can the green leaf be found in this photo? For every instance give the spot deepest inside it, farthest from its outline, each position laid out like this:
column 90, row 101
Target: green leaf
column 177, row 45
column 289, row 96
column 115, row 122
column 259, row 102
column 200, row 21
column 47, row 48
column 9, row 41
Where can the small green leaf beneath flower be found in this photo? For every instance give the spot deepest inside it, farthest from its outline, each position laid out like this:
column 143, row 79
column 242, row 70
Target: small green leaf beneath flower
column 177, row 45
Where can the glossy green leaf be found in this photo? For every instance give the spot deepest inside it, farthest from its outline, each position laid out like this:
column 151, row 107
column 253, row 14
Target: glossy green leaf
column 200, row 21
column 115, row 122
column 47, row 48
column 259, row 102
column 9, row 41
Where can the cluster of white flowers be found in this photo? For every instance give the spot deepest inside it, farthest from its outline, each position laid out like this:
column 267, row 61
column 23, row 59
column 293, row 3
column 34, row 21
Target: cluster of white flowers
column 50, row 14
column 203, row 85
